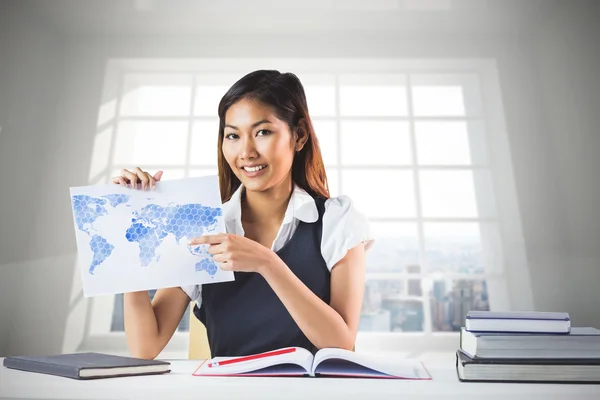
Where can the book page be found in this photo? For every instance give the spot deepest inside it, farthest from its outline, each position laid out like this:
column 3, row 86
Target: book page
column 297, row 363
column 131, row 240
column 345, row 362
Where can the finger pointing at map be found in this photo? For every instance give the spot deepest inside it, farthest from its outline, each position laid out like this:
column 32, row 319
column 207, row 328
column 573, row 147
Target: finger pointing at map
column 237, row 253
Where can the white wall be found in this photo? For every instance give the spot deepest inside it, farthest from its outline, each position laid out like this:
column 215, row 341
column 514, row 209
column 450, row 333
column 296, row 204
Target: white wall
column 554, row 175
column 4, row 283
column 566, row 66
column 30, row 88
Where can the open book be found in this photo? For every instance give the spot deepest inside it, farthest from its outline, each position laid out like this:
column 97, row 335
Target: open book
column 296, row 361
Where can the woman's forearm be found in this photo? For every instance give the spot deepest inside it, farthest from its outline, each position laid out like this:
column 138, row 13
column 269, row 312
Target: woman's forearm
column 141, row 328
column 321, row 324
column 150, row 325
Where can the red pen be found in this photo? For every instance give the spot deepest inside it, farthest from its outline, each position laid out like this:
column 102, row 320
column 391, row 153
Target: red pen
column 253, row 357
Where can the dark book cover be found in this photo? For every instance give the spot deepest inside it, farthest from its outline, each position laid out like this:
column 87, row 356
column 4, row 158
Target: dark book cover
column 87, row 365
column 464, row 359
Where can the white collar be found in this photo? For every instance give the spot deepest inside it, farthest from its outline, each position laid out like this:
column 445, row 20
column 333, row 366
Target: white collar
column 301, row 206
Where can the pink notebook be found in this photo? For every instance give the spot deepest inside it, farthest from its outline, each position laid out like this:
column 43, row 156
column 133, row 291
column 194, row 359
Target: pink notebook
column 296, row 361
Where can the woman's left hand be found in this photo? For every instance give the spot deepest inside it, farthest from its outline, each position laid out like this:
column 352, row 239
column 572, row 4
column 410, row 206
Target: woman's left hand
column 236, row 252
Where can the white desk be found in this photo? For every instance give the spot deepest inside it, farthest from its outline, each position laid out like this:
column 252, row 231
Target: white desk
column 180, row 384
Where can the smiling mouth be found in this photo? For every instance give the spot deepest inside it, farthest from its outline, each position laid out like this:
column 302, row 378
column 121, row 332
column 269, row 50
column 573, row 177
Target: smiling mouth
column 254, row 169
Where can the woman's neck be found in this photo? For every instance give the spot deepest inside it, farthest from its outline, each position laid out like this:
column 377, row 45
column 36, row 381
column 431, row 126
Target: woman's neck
column 267, row 206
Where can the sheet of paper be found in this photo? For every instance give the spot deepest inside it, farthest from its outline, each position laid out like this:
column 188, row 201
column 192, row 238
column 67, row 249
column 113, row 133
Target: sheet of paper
column 130, row 240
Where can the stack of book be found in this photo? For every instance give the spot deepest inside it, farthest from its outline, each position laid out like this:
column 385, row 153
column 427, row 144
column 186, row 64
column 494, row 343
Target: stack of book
column 527, row 347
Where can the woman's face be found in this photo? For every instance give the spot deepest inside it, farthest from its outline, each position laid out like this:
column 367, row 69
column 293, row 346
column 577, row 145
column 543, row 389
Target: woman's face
column 257, row 145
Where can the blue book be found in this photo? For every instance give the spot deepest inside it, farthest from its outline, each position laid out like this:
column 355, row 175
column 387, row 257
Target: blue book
column 518, row 321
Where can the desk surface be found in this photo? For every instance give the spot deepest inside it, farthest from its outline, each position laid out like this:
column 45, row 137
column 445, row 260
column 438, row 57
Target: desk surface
column 180, row 384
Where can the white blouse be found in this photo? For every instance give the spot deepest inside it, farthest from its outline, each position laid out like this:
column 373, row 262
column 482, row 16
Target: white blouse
column 344, row 226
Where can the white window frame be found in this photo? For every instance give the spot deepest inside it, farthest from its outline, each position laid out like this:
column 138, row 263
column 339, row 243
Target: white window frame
column 512, row 260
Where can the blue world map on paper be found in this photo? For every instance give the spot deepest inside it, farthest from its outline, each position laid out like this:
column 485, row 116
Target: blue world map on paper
column 150, row 225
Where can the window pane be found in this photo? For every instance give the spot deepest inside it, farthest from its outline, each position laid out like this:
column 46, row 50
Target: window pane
column 453, row 248
column 326, row 134
column 381, row 193
column 172, row 174
column 444, row 101
column 375, row 143
column 374, row 317
column 443, row 143
column 207, row 100
column 451, row 300
column 388, row 306
column 118, row 323
column 406, row 314
column 320, row 94
column 457, row 194
column 156, row 95
column 204, row 142
column 373, row 95
column 169, row 174
column 203, row 172
column 395, row 249
column 448, row 194
column 321, row 100
column 210, row 88
column 436, row 95
column 151, row 142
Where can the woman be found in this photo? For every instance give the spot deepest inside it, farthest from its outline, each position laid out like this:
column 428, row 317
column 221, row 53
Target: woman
column 298, row 255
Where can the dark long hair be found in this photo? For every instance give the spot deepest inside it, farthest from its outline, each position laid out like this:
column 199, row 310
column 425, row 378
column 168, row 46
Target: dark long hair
column 285, row 94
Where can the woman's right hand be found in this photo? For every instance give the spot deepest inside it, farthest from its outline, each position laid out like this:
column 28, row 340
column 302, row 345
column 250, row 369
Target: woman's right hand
column 136, row 176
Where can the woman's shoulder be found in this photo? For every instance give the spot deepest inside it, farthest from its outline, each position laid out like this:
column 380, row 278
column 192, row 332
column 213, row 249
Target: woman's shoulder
column 345, row 225
column 339, row 201
column 343, row 206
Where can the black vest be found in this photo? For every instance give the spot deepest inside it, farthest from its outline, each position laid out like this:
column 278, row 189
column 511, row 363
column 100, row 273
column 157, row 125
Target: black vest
column 246, row 317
